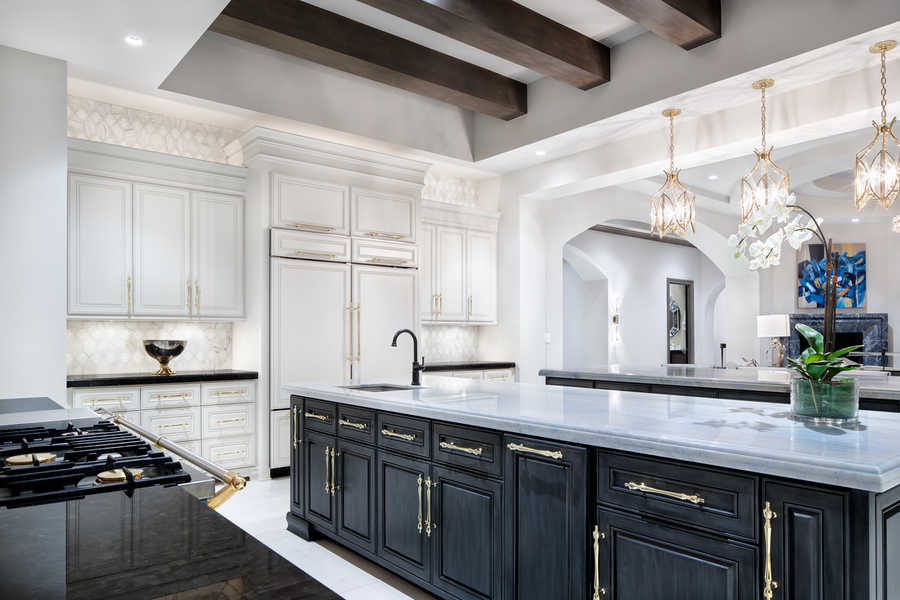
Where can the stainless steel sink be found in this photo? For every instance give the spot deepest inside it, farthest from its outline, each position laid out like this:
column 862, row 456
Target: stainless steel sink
column 381, row 387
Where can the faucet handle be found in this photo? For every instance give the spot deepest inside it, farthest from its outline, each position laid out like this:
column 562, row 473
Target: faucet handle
column 423, row 361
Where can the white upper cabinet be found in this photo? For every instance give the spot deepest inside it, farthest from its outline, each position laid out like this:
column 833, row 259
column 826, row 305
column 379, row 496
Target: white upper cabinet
column 310, row 205
column 162, row 251
column 427, row 288
column 481, row 276
column 217, row 255
column 383, row 215
column 100, row 245
column 450, row 274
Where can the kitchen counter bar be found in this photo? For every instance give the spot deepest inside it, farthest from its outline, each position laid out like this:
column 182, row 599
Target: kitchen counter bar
column 75, row 381
column 752, row 436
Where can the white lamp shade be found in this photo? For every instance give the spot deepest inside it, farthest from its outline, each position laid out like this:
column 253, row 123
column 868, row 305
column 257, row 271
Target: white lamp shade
column 773, row 325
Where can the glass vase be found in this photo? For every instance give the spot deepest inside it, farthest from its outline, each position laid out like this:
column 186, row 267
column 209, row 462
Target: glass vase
column 827, row 402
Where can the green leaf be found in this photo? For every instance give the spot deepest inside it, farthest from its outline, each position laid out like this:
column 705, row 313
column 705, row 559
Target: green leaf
column 812, row 336
column 843, row 351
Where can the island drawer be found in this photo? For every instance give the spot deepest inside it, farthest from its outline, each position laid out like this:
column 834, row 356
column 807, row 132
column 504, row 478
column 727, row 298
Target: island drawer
column 720, row 501
column 356, row 424
column 404, row 434
column 472, row 449
column 320, row 416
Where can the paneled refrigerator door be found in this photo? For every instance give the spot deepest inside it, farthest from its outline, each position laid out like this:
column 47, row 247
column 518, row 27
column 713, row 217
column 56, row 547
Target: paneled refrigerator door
column 386, row 301
column 310, row 324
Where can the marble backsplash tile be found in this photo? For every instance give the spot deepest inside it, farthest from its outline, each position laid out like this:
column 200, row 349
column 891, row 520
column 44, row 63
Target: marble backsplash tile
column 449, row 343
column 110, row 347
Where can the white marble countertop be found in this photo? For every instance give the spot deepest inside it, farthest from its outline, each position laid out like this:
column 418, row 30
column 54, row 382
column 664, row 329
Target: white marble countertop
column 757, row 437
column 768, row 380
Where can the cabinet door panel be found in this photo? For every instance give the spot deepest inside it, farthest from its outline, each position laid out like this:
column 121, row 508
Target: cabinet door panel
column 162, row 252
column 281, row 428
column 684, row 565
column 298, row 465
column 544, row 521
column 310, row 205
column 481, row 276
column 468, row 538
column 356, row 496
column 384, row 215
column 402, row 538
column 218, row 255
column 427, row 290
column 451, row 264
column 99, row 246
column 318, row 466
column 310, row 322
column 387, row 301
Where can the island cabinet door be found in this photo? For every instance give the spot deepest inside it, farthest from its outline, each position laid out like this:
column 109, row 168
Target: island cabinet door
column 637, row 559
column 319, row 459
column 355, row 475
column 466, row 532
column 544, row 520
column 405, row 532
column 298, row 470
column 808, row 541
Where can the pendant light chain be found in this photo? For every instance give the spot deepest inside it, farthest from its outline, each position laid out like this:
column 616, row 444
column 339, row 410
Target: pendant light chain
column 763, row 119
column 672, row 143
column 883, row 88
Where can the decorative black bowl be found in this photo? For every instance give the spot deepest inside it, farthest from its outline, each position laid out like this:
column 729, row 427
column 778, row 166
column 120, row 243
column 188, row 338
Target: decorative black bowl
column 164, row 351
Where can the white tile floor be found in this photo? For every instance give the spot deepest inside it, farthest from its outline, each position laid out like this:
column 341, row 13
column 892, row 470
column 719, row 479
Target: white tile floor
column 260, row 508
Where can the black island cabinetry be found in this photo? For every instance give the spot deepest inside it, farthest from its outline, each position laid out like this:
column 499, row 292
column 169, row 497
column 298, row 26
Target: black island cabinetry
column 468, row 513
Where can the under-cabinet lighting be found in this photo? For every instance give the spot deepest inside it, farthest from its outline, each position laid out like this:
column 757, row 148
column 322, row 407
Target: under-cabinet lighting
column 134, row 40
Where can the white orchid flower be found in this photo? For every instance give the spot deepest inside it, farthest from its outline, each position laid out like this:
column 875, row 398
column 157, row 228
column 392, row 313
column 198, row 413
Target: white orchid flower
column 797, row 233
column 781, row 210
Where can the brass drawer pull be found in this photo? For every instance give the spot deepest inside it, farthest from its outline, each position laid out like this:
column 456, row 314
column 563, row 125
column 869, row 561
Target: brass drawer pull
column 183, row 396
column 557, row 454
column 98, row 400
column 393, row 236
column 173, row 425
column 327, row 489
column 229, row 453
column 350, row 358
column 188, row 305
column 452, row 446
column 232, row 392
column 470, row 306
column 388, row 261
column 419, row 481
column 129, row 294
column 333, row 471
column 405, row 436
column 299, row 253
column 197, row 294
column 768, row 515
column 296, row 429
column 228, row 421
column 352, row 424
column 503, row 377
column 308, row 226
column 315, row 416
column 695, row 498
column 428, row 524
column 597, row 589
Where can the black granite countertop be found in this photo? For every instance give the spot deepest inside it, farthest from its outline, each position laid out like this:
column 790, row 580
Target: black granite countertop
column 475, row 365
column 157, row 543
column 73, row 381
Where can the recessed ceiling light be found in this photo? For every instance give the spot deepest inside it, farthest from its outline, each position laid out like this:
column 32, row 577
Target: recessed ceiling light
column 854, row 220
column 134, row 40
column 540, row 153
column 713, row 176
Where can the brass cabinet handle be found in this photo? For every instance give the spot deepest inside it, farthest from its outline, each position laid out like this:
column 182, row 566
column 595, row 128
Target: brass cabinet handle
column 129, row 294
column 296, row 429
column 233, row 392
column 433, row 305
column 228, row 453
column 327, row 489
column 197, row 294
column 388, row 261
column 695, row 498
column 98, row 400
column 299, row 253
column 182, row 395
column 503, row 377
column 315, row 416
column 419, row 481
column 393, row 236
column 173, row 425
column 452, row 446
column 428, row 524
column 228, row 421
column 597, row 589
column 358, row 333
column 333, row 471
column 308, row 226
column 440, row 304
column 188, row 283
column 557, row 454
column 470, row 306
column 769, row 590
column 352, row 424
column 405, row 436
column 350, row 358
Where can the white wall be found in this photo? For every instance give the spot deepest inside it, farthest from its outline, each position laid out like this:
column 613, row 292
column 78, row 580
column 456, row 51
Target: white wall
column 32, row 225
column 573, row 317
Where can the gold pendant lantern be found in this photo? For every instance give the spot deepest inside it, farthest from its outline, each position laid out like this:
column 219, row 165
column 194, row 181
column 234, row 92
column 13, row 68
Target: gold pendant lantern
column 672, row 208
column 766, row 182
column 878, row 166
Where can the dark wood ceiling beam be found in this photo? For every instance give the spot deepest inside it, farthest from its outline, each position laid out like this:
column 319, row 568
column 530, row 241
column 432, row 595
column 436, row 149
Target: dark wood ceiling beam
column 314, row 34
column 686, row 23
column 511, row 31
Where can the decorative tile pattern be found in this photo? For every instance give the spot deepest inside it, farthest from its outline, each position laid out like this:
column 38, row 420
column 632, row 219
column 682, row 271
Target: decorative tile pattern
column 449, row 343
column 108, row 347
column 111, row 124
column 452, row 190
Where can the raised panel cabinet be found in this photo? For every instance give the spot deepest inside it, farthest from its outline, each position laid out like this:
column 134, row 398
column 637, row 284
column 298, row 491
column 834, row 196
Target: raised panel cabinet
column 310, row 205
column 297, row 450
column 427, row 285
column 318, row 468
column 217, row 255
column 383, row 215
column 405, row 531
column 450, row 273
column 282, row 432
column 481, row 276
column 355, row 493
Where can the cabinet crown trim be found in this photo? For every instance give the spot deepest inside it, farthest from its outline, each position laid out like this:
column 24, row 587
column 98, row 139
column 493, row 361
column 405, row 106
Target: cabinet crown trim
column 443, row 213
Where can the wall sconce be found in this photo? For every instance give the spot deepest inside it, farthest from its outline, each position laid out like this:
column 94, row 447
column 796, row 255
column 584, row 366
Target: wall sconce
column 615, row 318
column 774, row 326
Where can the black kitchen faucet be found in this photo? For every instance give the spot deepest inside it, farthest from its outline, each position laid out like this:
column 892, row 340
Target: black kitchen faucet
column 416, row 366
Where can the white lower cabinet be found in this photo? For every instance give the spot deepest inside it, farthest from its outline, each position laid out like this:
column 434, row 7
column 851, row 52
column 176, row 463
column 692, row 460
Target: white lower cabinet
column 174, row 424
column 231, row 453
column 492, row 375
column 281, row 438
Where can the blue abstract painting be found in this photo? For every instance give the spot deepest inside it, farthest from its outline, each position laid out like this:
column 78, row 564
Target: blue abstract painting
column 851, row 273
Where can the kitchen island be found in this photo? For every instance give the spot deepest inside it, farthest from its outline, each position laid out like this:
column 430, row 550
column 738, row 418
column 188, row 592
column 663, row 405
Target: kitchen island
column 876, row 391
column 481, row 490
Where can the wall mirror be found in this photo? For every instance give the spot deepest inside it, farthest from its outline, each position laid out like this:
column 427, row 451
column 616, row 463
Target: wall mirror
column 679, row 321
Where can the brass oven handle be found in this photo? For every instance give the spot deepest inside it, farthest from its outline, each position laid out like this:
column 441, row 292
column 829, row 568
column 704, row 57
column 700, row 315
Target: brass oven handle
column 452, row 446
column 350, row 358
column 388, row 261
column 129, row 294
column 228, row 421
column 641, row 487
column 188, row 283
column 597, row 589
column 386, row 235
column 326, row 470
column 315, row 416
column 98, row 400
column 296, row 441
column 557, row 454
column 406, row 436
column 428, row 524
column 308, row 226
column 419, row 481
column 173, row 425
column 333, row 471
column 358, row 333
column 182, row 395
column 299, row 253
column 352, row 424
column 220, row 393
column 197, row 294
column 769, row 590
